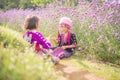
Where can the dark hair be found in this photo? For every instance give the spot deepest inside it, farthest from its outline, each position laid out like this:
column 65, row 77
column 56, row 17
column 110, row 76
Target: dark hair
column 30, row 22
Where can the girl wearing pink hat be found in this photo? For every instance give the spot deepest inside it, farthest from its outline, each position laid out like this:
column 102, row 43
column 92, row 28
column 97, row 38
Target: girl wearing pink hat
column 66, row 40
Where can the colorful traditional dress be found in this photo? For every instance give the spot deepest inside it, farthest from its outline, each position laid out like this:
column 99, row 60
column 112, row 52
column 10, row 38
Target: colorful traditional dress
column 37, row 39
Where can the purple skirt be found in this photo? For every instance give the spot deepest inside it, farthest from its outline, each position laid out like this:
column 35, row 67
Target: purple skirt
column 60, row 53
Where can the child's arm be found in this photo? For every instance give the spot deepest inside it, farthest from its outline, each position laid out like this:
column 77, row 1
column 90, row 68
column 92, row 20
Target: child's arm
column 69, row 46
column 45, row 44
column 54, row 39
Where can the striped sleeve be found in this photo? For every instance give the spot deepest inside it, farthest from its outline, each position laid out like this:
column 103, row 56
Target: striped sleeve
column 42, row 41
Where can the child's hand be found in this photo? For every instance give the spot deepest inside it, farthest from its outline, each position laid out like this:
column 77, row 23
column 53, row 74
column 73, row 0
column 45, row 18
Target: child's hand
column 54, row 39
column 64, row 47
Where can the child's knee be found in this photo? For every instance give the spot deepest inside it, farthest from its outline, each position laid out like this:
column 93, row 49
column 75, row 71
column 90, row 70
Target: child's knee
column 61, row 55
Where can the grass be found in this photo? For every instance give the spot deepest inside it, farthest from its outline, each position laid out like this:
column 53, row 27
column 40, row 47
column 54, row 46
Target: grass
column 107, row 71
column 99, row 39
column 12, row 37
column 19, row 62
column 17, row 65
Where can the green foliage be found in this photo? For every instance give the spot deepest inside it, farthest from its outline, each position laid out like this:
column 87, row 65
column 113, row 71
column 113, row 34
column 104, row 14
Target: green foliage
column 8, row 4
column 106, row 71
column 17, row 65
column 8, row 36
column 19, row 62
column 103, row 46
column 41, row 2
column 89, row 0
column 99, row 41
column 23, row 4
column 69, row 2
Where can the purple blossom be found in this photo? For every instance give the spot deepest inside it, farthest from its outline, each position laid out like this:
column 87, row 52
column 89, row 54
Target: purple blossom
column 116, row 22
column 103, row 22
column 111, row 13
column 118, row 15
column 86, row 13
column 109, row 16
column 93, row 26
column 104, row 14
column 81, row 18
column 73, row 11
column 115, row 33
column 92, row 15
column 79, row 49
column 93, row 3
column 64, row 8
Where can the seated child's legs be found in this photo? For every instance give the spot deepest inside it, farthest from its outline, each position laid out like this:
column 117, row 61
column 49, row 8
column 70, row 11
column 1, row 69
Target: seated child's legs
column 56, row 51
column 61, row 55
column 67, row 54
column 64, row 54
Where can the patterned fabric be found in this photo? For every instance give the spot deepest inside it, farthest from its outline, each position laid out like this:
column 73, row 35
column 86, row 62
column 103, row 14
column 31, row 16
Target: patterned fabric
column 64, row 54
column 72, row 41
column 65, row 39
column 59, row 52
column 38, row 39
column 56, row 51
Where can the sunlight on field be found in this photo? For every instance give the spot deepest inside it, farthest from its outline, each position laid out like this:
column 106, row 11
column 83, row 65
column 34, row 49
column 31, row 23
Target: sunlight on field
column 96, row 25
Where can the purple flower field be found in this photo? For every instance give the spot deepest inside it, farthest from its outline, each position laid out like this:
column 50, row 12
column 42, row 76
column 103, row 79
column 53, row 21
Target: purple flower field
column 96, row 24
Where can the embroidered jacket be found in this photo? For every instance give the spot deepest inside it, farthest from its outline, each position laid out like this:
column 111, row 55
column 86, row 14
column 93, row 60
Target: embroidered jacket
column 38, row 39
column 71, row 41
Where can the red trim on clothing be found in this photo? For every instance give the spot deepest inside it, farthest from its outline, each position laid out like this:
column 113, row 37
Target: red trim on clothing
column 37, row 47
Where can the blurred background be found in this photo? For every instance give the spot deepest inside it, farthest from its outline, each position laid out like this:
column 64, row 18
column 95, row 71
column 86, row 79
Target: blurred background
column 96, row 24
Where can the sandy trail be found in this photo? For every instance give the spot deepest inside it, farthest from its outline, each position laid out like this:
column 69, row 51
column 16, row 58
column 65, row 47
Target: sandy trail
column 71, row 72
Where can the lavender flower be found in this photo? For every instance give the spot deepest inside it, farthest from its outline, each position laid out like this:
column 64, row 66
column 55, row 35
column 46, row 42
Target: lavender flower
column 92, row 26
column 115, row 33
column 92, row 15
column 118, row 15
column 79, row 49
column 116, row 22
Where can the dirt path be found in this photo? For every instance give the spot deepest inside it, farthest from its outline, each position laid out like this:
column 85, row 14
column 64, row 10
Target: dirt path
column 71, row 72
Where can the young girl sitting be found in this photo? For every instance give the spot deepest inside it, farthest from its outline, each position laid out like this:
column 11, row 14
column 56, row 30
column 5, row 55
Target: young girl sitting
column 66, row 40
column 33, row 36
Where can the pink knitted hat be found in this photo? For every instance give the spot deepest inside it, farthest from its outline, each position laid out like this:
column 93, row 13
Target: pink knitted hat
column 66, row 21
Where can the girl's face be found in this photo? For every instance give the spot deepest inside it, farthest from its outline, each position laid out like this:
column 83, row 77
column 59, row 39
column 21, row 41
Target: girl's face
column 64, row 29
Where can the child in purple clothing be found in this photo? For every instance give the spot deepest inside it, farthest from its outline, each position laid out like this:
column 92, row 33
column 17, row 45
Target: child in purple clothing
column 33, row 36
